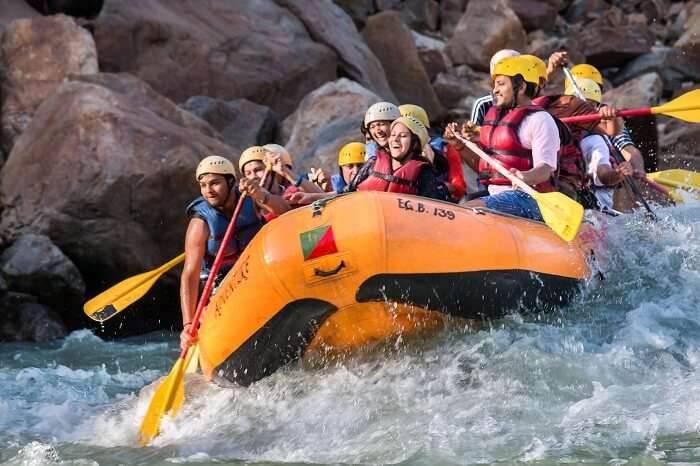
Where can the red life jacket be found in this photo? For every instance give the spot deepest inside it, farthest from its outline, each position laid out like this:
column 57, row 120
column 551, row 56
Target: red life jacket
column 499, row 138
column 571, row 164
column 383, row 178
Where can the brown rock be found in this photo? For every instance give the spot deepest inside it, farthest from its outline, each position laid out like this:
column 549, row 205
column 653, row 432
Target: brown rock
column 432, row 54
column 15, row 9
column 227, row 50
column 120, row 175
column 673, row 65
column 459, row 87
column 331, row 26
column 485, row 28
column 534, row 14
column 30, row 322
column 76, row 8
column 358, row 10
column 450, row 13
column 644, row 91
column 681, row 145
column 241, row 123
column 584, row 10
column 611, row 41
column 326, row 120
column 391, row 42
column 37, row 56
column 690, row 40
column 420, row 14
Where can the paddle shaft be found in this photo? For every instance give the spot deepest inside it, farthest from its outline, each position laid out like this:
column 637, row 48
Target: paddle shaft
column 570, row 76
column 497, row 165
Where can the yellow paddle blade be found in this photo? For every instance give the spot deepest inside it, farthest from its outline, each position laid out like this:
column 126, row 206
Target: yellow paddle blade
column 561, row 213
column 112, row 301
column 677, row 178
column 192, row 360
column 685, row 107
column 171, row 389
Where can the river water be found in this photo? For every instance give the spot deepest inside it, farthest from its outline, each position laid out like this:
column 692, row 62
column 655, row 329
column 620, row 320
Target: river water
column 611, row 379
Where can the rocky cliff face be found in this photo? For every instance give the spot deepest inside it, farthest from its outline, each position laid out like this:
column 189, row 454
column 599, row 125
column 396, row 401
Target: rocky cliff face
column 106, row 107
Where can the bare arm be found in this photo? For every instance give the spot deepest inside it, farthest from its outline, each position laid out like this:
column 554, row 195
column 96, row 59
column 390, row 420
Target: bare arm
column 537, row 175
column 195, row 246
column 634, row 157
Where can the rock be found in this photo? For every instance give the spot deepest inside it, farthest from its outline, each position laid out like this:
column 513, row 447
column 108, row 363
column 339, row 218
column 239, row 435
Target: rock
column 327, row 119
column 584, row 10
column 420, row 14
column 121, row 173
column 452, row 89
column 34, row 265
column 330, row 25
column 543, row 46
column 58, row 46
column 534, row 14
column 432, row 54
column 241, row 123
column 15, row 9
column 3, row 286
column 77, row 8
column 30, row 322
column 485, row 28
column 611, row 41
column 690, row 40
column 391, row 42
column 644, row 91
column 358, row 10
column 682, row 144
column 673, row 65
column 243, row 49
column 450, row 13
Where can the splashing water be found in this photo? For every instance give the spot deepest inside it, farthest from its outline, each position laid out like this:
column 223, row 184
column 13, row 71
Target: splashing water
column 611, row 379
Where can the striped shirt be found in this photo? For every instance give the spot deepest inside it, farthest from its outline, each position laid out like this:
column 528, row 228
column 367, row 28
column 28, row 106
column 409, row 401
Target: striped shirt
column 623, row 139
column 479, row 109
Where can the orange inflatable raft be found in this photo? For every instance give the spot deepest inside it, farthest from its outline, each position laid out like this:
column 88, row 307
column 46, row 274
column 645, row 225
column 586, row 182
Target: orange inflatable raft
column 362, row 267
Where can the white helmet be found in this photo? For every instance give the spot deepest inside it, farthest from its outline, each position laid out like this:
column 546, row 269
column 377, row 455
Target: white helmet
column 381, row 111
column 215, row 164
column 500, row 55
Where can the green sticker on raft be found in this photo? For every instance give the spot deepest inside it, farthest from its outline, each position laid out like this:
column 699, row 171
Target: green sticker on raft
column 318, row 242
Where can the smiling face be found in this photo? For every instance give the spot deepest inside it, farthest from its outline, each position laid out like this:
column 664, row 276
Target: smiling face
column 214, row 189
column 399, row 141
column 503, row 94
column 379, row 130
column 254, row 170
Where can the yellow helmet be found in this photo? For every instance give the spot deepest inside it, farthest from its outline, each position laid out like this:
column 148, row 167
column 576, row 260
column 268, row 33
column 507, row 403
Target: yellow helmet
column 416, row 112
column 381, row 111
column 250, row 154
column 415, row 126
column 214, row 164
column 281, row 151
column 512, row 66
column 589, row 88
column 500, row 55
column 351, row 153
column 540, row 65
column 585, row 70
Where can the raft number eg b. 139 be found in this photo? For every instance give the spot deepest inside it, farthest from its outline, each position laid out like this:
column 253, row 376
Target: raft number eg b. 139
column 419, row 207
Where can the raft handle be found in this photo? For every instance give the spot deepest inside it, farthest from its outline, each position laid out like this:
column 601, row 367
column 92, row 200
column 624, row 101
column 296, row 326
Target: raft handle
column 323, row 273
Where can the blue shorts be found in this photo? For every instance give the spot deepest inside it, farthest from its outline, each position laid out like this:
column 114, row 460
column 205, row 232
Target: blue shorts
column 514, row 202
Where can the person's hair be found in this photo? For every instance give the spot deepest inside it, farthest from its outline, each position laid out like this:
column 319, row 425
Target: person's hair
column 518, row 81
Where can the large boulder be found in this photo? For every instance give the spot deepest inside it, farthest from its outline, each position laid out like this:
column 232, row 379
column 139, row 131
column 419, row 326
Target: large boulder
column 329, row 24
column 241, row 123
column 584, row 10
column 392, row 43
column 37, row 56
column 612, row 41
column 34, row 265
column 112, row 171
column 690, row 40
column 534, row 14
column 326, row 120
column 77, row 8
column 432, row 54
column 15, row 9
column 450, row 13
column 30, row 322
column 643, row 91
column 485, row 28
column 673, row 65
column 459, row 87
column 358, row 10
column 251, row 49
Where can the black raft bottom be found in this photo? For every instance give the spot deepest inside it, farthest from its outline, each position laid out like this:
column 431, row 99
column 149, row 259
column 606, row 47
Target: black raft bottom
column 282, row 340
column 474, row 295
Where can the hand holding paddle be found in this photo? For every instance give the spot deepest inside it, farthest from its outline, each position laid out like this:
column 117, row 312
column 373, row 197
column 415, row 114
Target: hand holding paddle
column 561, row 213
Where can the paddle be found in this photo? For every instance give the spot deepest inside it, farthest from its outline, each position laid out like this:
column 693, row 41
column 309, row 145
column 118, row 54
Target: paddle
column 561, row 213
column 170, row 395
column 117, row 298
column 677, row 178
column 685, row 107
column 112, row 301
